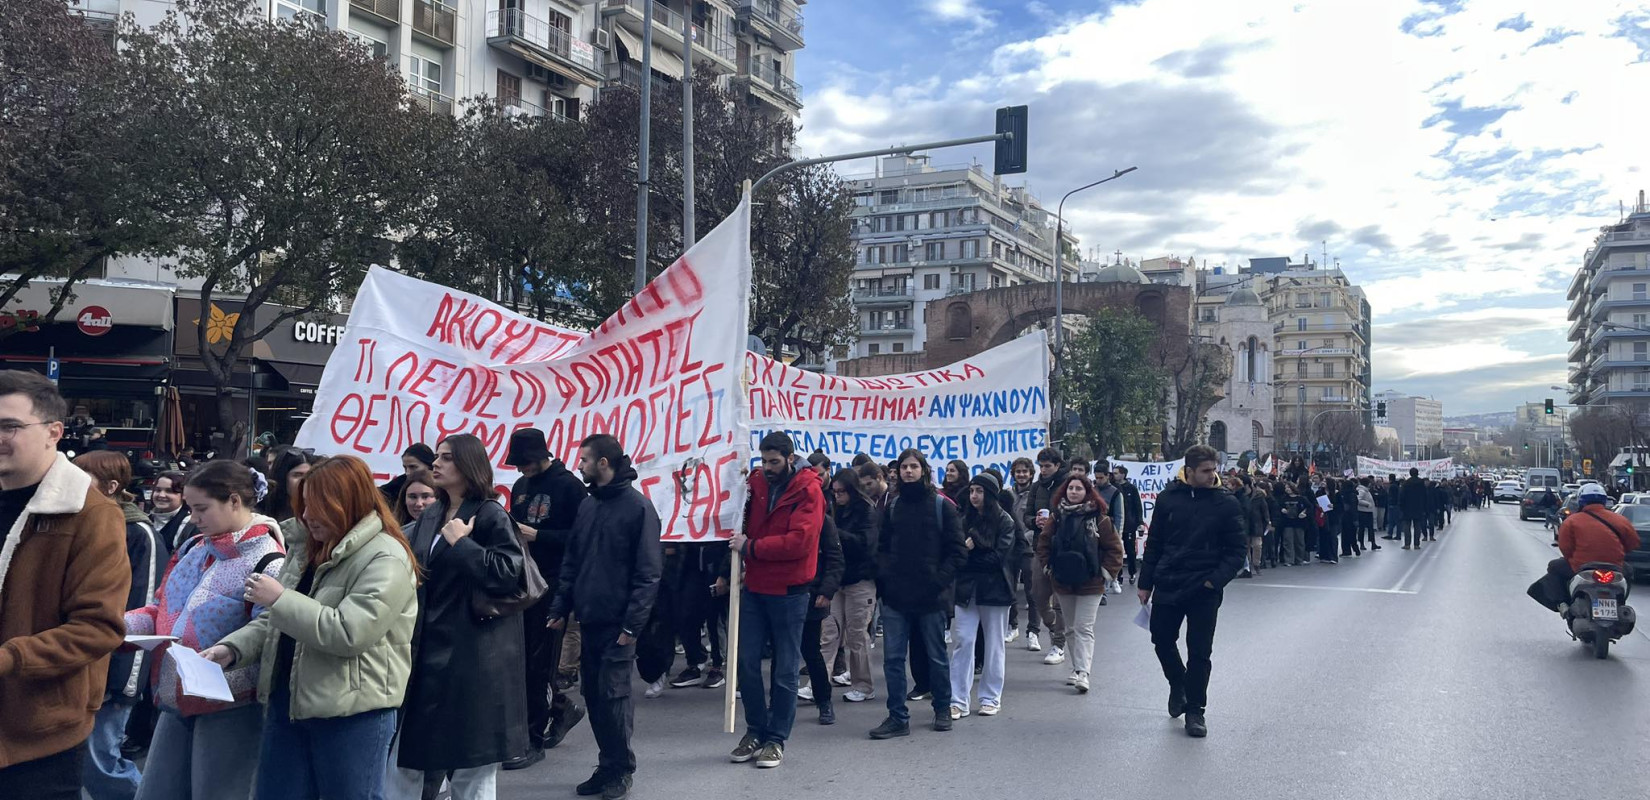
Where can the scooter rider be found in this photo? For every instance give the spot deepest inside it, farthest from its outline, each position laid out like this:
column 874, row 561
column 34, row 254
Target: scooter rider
column 1592, row 533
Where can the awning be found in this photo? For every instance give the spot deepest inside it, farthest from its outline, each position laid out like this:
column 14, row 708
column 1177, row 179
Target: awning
column 551, row 64
column 664, row 62
column 307, row 375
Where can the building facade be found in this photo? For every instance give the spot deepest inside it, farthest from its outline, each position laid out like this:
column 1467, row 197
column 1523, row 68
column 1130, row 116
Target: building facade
column 1419, row 422
column 1609, row 315
column 1242, row 421
column 925, row 233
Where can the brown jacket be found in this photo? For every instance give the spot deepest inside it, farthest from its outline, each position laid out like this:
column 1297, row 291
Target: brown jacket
column 1110, row 546
column 63, row 585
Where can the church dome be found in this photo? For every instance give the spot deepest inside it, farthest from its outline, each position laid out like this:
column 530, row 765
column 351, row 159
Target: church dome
column 1244, row 296
column 1120, row 273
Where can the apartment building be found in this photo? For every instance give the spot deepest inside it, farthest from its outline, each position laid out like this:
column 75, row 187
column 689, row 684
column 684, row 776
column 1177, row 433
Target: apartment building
column 750, row 43
column 1320, row 347
column 925, row 232
column 1609, row 314
column 1419, row 422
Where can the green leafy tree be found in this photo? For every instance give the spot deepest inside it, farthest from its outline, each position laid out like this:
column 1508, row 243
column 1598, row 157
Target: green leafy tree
column 290, row 154
column 1112, row 381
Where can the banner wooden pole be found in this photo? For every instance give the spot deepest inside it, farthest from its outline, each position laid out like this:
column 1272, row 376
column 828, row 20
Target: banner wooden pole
column 730, row 705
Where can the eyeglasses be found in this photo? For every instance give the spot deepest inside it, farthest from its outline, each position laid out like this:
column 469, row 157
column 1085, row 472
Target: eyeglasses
column 9, row 430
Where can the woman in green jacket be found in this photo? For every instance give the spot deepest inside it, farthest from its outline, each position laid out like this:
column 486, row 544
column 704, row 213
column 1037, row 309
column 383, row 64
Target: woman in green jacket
column 339, row 626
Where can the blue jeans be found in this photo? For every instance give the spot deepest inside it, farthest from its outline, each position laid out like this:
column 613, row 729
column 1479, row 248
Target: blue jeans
column 897, row 629
column 107, row 774
column 203, row 757
column 765, row 618
column 339, row 757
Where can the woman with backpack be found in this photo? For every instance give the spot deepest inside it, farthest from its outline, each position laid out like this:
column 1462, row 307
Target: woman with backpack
column 984, row 591
column 1083, row 552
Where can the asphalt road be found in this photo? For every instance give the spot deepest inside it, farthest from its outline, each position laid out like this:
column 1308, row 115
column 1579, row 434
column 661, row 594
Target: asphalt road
column 1394, row 676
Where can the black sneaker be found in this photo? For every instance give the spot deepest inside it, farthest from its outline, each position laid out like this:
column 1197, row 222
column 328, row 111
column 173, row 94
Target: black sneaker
column 1177, row 702
column 917, row 697
column 688, row 677
column 590, row 788
column 533, row 756
column 714, row 679
column 1196, row 727
column 891, row 728
column 747, row 749
column 560, row 726
column 827, row 713
column 942, row 722
column 618, row 788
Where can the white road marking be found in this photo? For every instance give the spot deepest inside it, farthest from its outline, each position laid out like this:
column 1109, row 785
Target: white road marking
column 1331, row 588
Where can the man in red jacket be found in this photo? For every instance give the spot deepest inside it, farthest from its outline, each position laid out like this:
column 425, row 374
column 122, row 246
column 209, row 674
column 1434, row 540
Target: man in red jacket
column 780, row 547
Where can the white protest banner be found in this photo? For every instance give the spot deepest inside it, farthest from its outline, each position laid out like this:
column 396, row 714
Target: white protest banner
column 1150, row 477
column 986, row 410
column 1434, row 469
column 419, row 362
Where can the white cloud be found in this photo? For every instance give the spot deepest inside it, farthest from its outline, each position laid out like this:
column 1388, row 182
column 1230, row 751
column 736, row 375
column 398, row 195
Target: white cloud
column 969, row 12
column 1250, row 121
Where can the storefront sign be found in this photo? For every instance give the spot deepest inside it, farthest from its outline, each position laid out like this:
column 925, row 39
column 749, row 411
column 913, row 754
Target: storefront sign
column 316, row 332
column 137, row 304
column 95, row 321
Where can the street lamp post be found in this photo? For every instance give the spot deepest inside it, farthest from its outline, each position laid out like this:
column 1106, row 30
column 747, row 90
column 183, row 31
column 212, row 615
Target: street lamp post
column 1060, row 304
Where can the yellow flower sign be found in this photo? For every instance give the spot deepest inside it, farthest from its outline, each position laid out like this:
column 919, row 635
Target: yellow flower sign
column 220, row 327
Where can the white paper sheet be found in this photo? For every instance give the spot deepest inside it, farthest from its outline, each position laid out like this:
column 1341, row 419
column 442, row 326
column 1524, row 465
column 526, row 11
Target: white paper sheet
column 144, row 642
column 200, row 677
column 1323, row 503
column 1143, row 618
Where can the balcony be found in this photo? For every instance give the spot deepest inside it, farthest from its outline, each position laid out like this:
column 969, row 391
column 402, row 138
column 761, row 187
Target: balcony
column 433, row 102
column 886, row 328
column 1605, row 304
column 1577, row 329
column 386, row 10
column 545, row 45
column 773, row 86
column 517, row 107
column 1616, row 238
column 435, row 20
column 903, row 295
column 716, row 49
column 776, row 20
column 625, row 73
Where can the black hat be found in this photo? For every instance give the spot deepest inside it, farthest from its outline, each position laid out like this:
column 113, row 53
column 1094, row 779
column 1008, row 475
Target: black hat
column 987, row 481
column 527, row 447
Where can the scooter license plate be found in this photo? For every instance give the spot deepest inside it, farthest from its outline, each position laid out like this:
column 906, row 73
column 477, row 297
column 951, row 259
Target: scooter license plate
column 1604, row 609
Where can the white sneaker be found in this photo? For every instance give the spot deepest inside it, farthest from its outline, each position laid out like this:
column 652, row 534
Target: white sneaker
column 654, row 690
column 1013, row 633
column 1056, row 655
column 947, row 637
column 805, row 693
column 989, row 710
column 958, row 712
column 1071, row 680
column 1033, row 644
column 857, row 696
column 1082, row 683
column 1116, row 587
column 842, row 680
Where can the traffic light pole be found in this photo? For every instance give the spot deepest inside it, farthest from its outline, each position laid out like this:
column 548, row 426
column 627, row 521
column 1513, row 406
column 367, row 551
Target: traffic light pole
column 902, row 150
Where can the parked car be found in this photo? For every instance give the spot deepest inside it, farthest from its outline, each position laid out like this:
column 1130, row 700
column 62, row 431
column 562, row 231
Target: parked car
column 1638, row 561
column 1507, row 490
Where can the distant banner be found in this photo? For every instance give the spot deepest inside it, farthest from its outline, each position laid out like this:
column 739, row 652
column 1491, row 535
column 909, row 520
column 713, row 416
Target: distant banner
column 1151, row 478
column 1435, row 469
column 986, row 410
column 419, row 362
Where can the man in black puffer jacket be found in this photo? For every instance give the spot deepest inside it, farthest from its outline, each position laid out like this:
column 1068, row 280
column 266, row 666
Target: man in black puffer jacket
column 1195, row 548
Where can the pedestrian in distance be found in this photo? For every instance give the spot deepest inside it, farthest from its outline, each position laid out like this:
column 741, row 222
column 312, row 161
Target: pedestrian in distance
column 822, row 591
column 416, row 460
column 1082, row 552
column 1195, row 548
column 1258, row 516
column 983, row 593
column 287, row 467
column 1022, row 472
column 205, row 748
column 609, row 581
column 919, row 551
column 1050, row 472
column 780, row 547
column 543, row 504
column 1416, row 503
column 465, row 710
column 334, row 648
column 955, row 484
column 1295, row 519
column 110, row 775
column 167, row 512
column 849, row 625
column 1133, row 516
column 64, row 594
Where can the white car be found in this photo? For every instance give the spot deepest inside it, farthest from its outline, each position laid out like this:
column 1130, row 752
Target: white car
column 1631, row 499
column 1508, row 490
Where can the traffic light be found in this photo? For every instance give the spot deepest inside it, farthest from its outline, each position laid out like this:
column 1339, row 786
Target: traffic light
column 1011, row 152
column 1380, row 410
column 1526, row 445
column 1549, row 405
column 1629, row 469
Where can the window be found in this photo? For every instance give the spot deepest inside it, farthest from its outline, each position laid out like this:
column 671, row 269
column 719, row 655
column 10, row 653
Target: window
column 1329, row 392
column 901, row 253
column 1323, row 300
column 996, row 281
column 996, row 249
column 509, row 89
column 936, row 251
column 290, row 9
column 899, row 223
column 888, row 196
column 873, row 349
column 1303, row 300
column 377, row 48
column 971, row 248
column 1329, row 343
column 1300, row 367
column 939, row 219
column 1329, row 370
column 865, row 200
column 561, row 41
column 1300, row 345
column 902, row 319
column 899, row 347
column 1640, row 319
column 930, row 282
column 1641, row 351
column 1639, row 292
column 1300, row 324
column 424, row 75
column 1641, row 379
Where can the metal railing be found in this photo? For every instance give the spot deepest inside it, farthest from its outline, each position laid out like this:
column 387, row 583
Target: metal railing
column 773, row 78
column 886, row 327
column 435, row 19
column 779, row 14
column 539, row 33
column 662, row 15
column 893, row 294
column 388, row 9
column 624, row 73
column 715, row 43
column 433, row 102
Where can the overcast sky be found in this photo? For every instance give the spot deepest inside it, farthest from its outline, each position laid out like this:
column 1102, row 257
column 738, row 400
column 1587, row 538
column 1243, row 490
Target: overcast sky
column 1457, row 155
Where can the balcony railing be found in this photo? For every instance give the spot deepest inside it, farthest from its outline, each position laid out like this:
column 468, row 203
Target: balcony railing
column 774, row 79
column 435, row 19
column 518, row 24
column 899, row 294
column 662, row 16
column 387, row 9
column 886, row 327
column 785, row 19
column 717, row 44
column 433, row 102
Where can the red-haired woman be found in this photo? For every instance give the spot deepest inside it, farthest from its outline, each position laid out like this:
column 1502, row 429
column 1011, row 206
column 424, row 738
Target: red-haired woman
column 1083, row 553
column 335, row 647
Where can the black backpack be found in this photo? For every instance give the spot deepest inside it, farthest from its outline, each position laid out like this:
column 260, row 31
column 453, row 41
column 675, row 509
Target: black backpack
column 1074, row 555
